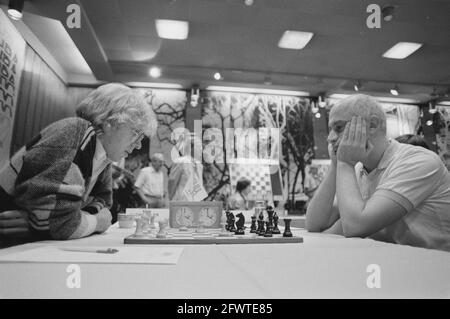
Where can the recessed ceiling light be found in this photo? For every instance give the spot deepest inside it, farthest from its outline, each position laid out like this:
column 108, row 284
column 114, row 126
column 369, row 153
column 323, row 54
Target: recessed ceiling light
column 388, row 13
column 172, row 29
column 296, row 40
column 217, row 76
column 155, row 72
column 402, row 50
column 267, row 80
column 394, row 90
column 248, row 3
column 15, row 8
column 255, row 90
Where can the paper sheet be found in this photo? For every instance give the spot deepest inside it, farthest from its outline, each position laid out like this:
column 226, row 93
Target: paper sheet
column 125, row 255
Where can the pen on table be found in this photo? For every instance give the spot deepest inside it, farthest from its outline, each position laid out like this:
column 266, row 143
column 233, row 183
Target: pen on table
column 91, row 250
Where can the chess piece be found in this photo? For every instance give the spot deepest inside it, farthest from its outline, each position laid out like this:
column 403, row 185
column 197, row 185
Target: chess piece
column 162, row 233
column 261, row 215
column 287, row 228
column 275, row 230
column 145, row 223
column 240, row 224
column 258, row 229
column 224, row 231
column 232, row 227
column 253, row 226
column 261, row 228
column 268, row 232
column 139, row 228
column 152, row 221
column 227, row 226
column 270, row 213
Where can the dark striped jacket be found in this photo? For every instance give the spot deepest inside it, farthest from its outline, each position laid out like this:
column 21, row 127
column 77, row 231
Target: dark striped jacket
column 48, row 178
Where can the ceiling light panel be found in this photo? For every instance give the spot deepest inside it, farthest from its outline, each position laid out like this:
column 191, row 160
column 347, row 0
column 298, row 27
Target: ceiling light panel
column 295, row 40
column 172, row 29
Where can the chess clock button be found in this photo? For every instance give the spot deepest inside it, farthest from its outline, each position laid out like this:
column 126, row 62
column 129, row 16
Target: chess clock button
column 207, row 216
column 184, row 216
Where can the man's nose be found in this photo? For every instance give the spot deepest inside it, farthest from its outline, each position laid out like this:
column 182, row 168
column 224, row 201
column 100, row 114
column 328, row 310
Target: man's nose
column 332, row 137
column 138, row 145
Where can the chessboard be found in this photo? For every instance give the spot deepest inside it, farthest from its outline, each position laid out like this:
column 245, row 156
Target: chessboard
column 208, row 236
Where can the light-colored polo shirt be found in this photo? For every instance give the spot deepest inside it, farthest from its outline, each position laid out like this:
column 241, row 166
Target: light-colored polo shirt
column 151, row 182
column 416, row 179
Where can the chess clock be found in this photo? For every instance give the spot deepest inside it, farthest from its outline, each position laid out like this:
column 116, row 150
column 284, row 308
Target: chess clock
column 195, row 214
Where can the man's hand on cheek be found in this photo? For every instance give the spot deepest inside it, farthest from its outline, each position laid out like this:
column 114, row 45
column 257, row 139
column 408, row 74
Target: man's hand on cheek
column 352, row 147
column 332, row 153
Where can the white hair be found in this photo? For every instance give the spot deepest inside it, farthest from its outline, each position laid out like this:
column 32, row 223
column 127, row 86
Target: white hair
column 362, row 105
column 157, row 156
column 115, row 103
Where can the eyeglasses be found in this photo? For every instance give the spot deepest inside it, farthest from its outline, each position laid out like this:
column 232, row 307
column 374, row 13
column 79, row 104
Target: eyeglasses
column 138, row 135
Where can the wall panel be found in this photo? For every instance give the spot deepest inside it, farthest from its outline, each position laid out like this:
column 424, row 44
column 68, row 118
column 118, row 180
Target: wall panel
column 43, row 99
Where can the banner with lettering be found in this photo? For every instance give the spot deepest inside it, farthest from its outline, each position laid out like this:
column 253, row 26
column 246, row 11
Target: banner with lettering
column 12, row 53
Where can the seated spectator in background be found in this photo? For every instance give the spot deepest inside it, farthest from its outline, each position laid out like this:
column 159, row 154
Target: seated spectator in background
column 413, row 140
column 239, row 200
column 385, row 190
column 59, row 186
column 150, row 184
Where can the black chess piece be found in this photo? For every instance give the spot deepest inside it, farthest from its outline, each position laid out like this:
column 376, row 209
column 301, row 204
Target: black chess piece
column 232, row 227
column 227, row 226
column 253, row 226
column 270, row 212
column 240, row 224
column 261, row 215
column 268, row 232
column 275, row 230
column 287, row 228
column 262, row 230
column 258, row 230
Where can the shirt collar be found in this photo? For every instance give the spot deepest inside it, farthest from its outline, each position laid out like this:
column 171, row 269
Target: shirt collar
column 100, row 153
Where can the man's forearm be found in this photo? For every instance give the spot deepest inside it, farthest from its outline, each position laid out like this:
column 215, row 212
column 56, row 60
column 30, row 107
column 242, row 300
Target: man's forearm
column 350, row 202
column 319, row 212
column 141, row 195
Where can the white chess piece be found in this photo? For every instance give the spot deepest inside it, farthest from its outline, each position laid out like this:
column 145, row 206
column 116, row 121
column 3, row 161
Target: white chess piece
column 139, row 228
column 162, row 233
column 152, row 221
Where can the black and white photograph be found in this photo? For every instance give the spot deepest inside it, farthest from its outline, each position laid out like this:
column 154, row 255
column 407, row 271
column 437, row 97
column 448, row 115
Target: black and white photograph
column 225, row 156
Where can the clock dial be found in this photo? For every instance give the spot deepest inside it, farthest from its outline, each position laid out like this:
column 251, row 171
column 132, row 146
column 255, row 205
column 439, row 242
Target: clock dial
column 208, row 216
column 184, row 216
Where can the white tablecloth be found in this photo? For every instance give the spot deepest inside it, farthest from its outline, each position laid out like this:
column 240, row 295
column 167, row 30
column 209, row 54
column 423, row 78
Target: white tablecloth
column 324, row 266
